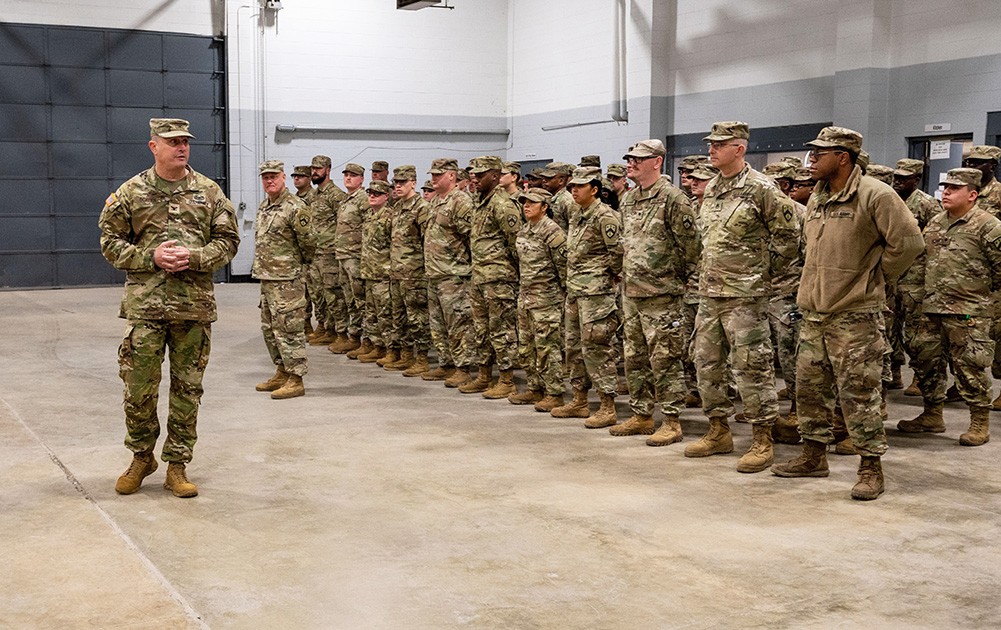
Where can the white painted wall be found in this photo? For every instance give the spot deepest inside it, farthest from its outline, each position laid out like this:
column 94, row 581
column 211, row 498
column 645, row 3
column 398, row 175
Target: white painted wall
column 196, row 17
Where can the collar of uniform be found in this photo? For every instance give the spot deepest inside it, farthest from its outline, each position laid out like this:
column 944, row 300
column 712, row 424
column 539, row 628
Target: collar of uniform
column 851, row 187
column 282, row 196
column 485, row 200
column 947, row 220
column 588, row 212
column 720, row 185
column 652, row 191
column 189, row 180
column 407, row 204
column 324, row 186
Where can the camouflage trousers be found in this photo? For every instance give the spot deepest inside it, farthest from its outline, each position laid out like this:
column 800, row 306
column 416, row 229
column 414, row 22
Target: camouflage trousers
column 735, row 330
column 140, row 358
column 840, row 360
column 335, row 313
column 409, row 314
column 908, row 319
column 314, row 293
column 540, row 347
column 495, row 323
column 283, row 321
column 963, row 342
column 996, row 333
column 451, row 319
column 592, row 357
column 655, row 346
column 377, row 315
column 893, row 316
column 784, row 318
column 353, row 288
column 688, row 332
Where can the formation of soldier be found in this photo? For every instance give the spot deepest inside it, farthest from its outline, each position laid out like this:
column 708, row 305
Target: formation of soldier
column 696, row 290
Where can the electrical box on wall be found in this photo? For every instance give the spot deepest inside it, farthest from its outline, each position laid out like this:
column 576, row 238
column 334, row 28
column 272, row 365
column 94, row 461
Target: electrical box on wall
column 414, row 5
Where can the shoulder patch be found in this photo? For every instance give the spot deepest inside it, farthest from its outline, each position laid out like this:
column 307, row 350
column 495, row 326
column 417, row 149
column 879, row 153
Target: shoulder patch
column 112, row 198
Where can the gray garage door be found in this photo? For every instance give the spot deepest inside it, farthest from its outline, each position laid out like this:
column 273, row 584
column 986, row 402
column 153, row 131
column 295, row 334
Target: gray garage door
column 74, row 110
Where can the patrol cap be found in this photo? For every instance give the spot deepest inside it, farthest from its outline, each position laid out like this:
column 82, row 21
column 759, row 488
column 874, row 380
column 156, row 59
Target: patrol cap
column 863, row 160
column 355, row 169
column 616, row 170
column 881, row 172
column 805, row 175
column 774, row 168
column 169, row 128
column 907, row 167
column 427, row 186
column 585, row 175
column 301, row 171
column 536, row 194
column 512, row 167
column 690, row 162
column 380, row 165
column 461, row 175
column 441, row 165
column 485, row 163
column 555, row 169
column 645, row 149
column 320, row 161
column 704, row 172
column 405, row 173
column 271, row 166
column 792, row 159
column 590, row 160
column 728, row 130
column 838, row 138
column 379, row 186
column 537, row 173
column 963, row 177
column 984, row 152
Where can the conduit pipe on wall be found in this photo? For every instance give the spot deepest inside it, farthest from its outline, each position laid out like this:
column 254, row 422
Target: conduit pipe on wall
column 286, row 128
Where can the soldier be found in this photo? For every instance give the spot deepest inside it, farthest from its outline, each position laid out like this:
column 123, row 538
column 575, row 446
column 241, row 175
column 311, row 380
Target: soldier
column 534, row 179
column 881, row 173
column 303, row 186
column 284, row 243
column 594, row 264
column 660, row 249
column 984, row 158
column 554, row 179
column 802, row 186
column 324, row 209
column 408, row 280
column 427, row 190
column 494, row 290
column 169, row 301
column 462, row 181
column 347, row 249
column 963, row 266
column 374, row 266
column 859, row 235
column 781, row 173
column 510, row 179
column 685, row 167
column 542, row 262
column 380, row 171
column 590, row 160
column 448, row 265
column 305, row 191
column 749, row 235
column 616, row 174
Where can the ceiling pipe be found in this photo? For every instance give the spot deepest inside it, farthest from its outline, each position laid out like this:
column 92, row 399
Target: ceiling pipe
column 286, row 128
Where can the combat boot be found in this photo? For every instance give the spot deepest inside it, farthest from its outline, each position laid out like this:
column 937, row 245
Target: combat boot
column 177, row 481
column 328, row 337
column 479, row 384
column 996, row 405
column 319, row 331
column 274, row 382
column 549, row 403
column 504, row 386
column 635, row 425
column 693, row 400
column 293, row 388
column 527, row 397
column 143, row 465
column 419, row 366
column 338, row 342
column 812, row 462
column 576, row 408
column 351, row 342
column 717, row 441
column 440, row 373
column 458, row 378
column 392, row 356
column 605, row 416
column 405, row 361
column 378, row 352
column 786, row 429
column 870, row 479
column 913, row 389
column 928, row 421
column 364, row 348
column 895, row 381
column 761, row 455
column 979, row 432
column 668, row 433
column 782, row 394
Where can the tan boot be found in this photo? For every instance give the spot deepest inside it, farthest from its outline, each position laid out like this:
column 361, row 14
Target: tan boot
column 870, row 479
column 350, row 343
column 895, row 381
column 419, row 365
column 328, row 337
column 996, row 405
column 143, row 465
column 504, row 386
column 378, row 352
column 480, row 384
column 405, row 362
column 812, row 462
column 576, row 408
column 786, row 429
column 979, row 432
column 717, row 441
column 913, row 389
column 635, row 425
column 668, row 433
column 337, row 343
column 319, row 331
column 783, row 394
column 274, row 382
column 293, row 388
column 392, row 356
column 177, row 481
column 364, row 348
column 761, row 455
column 605, row 416
column 549, row 403
column 439, row 373
column 527, row 397
column 458, row 378
column 928, row 421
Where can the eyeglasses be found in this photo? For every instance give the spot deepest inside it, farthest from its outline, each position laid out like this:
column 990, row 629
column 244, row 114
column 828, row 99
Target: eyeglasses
column 817, row 154
column 637, row 160
column 720, row 144
column 810, row 184
column 373, row 193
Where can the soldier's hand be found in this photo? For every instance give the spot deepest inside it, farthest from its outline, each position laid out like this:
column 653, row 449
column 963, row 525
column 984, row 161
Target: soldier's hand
column 165, row 257
column 182, row 256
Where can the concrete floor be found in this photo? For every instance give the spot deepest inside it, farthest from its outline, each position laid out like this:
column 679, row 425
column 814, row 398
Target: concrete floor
column 377, row 501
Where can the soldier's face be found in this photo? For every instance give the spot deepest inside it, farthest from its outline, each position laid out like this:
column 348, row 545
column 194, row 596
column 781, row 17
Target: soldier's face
column 171, row 153
column 301, row 182
column 618, row 183
column 485, row 181
column 724, row 153
column 382, row 176
column 905, row 185
column 377, row 199
column 684, row 179
column 443, row 182
column 533, row 210
column 352, row 181
column 958, row 199
column 801, row 191
column 699, row 186
column 506, row 179
column 319, row 174
column 986, row 167
column 274, row 183
column 553, row 184
column 402, row 189
column 583, row 194
column 824, row 163
column 428, row 195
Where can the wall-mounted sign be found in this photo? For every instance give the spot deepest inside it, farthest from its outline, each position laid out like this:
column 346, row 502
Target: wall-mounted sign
column 939, row 149
column 938, row 127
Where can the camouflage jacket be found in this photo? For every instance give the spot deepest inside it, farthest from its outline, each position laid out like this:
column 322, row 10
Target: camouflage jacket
column 990, row 198
column 963, row 263
column 324, row 207
column 923, row 206
column 563, row 207
column 376, row 243
column 750, row 233
column 594, row 251
column 446, row 239
column 660, row 246
column 542, row 262
column 283, row 240
column 496, row 222
column 350, row 216
column 308, row 196
column 143, row 213
column 407, row 254
column 785, row 283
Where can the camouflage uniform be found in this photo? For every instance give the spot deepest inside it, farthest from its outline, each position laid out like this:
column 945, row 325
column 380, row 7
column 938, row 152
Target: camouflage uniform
column 408, row 281
column 324, row 209
column 990, row 198
column 909, row 289
column 314, row 280
column 347, row 248
column 374, row 269
column 563, row 207
column 542, row 261
column 166, row 310
column 284, row 243
column 783, row 313
column 660, row 250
